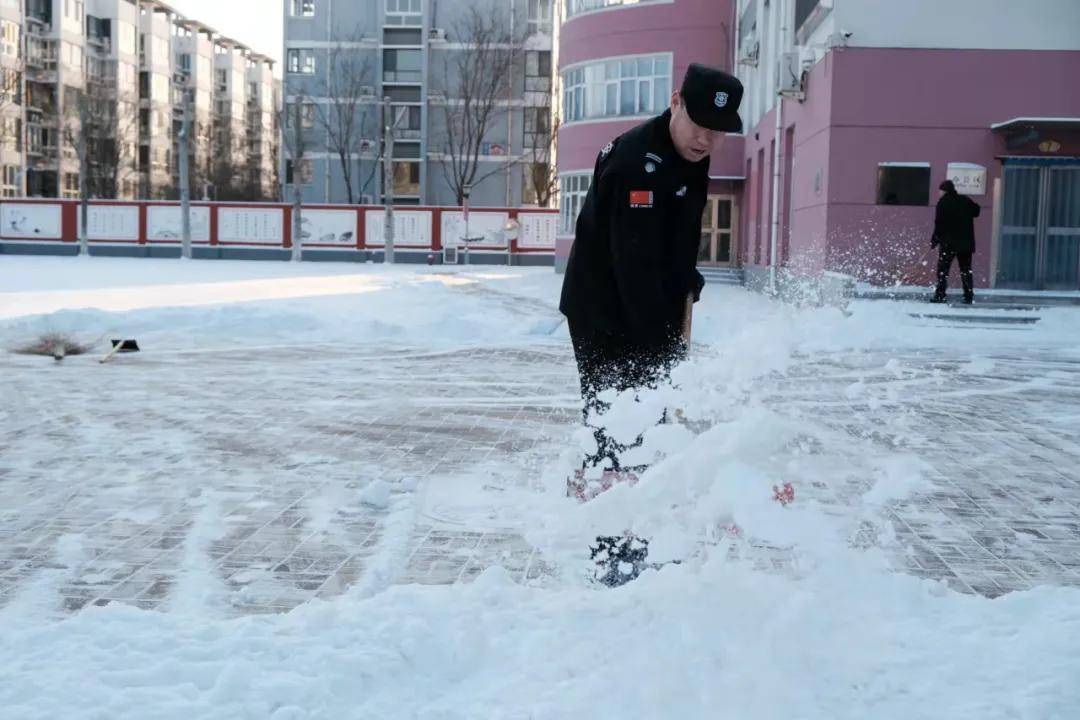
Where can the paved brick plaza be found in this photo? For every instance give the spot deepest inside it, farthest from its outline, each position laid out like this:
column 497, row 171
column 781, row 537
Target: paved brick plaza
column 118, row 513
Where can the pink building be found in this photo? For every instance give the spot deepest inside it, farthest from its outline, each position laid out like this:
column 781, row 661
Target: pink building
column 881, row 101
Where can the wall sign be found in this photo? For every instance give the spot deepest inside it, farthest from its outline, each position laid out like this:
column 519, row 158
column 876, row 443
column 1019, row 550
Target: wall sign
column 969, row 178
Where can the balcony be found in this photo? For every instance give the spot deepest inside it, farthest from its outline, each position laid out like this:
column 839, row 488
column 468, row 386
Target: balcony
column 102, row 45
column 41, row 57
column 38, row 24
column 39, row 119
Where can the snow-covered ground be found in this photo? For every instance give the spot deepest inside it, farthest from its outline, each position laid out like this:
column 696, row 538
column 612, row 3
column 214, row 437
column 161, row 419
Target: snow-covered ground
column 336, row 491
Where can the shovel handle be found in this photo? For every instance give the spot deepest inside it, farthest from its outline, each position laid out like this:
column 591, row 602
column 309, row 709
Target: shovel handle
column 115, row 349
column 688, row 320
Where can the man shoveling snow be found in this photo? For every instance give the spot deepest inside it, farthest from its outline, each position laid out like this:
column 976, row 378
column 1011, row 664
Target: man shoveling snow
column 631, row 279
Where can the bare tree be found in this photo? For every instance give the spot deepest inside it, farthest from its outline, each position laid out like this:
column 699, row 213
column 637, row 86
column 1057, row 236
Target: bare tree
column 543, row 141
column 9, row 118
column 296, row 146
column 343, row 116
column 477, row 80
column 101, row 128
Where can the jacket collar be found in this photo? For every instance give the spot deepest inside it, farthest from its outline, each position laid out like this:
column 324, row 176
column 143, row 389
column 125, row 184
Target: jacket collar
column 661, row 132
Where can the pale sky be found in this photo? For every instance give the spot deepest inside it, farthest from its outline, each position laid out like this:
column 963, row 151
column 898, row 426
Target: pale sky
column 255, row 23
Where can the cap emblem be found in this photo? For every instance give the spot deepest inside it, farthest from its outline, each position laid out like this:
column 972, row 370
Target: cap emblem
column 721, row 99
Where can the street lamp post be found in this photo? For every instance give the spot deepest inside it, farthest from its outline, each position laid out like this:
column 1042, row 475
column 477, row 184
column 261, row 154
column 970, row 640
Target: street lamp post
column 465, row 192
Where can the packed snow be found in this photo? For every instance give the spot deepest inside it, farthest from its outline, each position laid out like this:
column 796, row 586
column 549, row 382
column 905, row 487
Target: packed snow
column 801, row 613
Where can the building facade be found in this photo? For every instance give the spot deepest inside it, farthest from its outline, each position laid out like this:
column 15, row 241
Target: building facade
column 618, row 65
column 878, row 103
column 96, row 90
column 469, row 90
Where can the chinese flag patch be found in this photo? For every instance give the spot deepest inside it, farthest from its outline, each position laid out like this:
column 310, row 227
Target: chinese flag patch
column 641, row 198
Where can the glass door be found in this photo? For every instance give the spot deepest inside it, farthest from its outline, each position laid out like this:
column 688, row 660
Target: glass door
column 718, row 224
column 1040, row 228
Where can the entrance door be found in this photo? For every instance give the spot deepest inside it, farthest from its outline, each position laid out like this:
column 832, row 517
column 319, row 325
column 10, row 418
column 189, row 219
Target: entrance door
column 718, row 222
column 1040, row 227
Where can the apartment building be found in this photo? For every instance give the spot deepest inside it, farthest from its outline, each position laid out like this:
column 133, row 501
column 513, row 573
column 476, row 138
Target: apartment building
column 193, row 79
column 103, row 85
column 413, row 52
column 261, row 125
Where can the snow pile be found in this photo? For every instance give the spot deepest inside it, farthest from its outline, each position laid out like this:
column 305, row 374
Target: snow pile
column 174, row 305
column 830, row 632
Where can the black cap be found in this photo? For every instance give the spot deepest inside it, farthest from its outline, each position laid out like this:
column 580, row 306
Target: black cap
column 712, row 98
column 947, row 186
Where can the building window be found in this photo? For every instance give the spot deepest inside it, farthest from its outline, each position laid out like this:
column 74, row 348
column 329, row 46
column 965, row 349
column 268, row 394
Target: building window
column 903, row 184
column 11, row 133
column 407, row 120
column 576, row 7
column 302, row 8
column 572, row 190
column 9, row 38
column 10, row 185
column 808, row 15
column 531, row 194
column 617, row 88
column 9, row 86
column 539, row 17
column 401, row 65
column 71, row 185
column 408, row 13
column 307, row 115
column 537, row 128
column 538, row 71
column 301, row 171
column 406, row 178
column 301, row 61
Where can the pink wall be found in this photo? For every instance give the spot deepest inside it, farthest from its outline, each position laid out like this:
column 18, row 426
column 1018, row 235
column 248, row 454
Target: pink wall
column 865, row 106
column 693, row 30
column 935, row 106
column 809, row 184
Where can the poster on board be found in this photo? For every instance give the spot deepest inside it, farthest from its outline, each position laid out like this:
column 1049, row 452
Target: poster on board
column 328, row 227
column 30, row 220
column 537, row 230
column 411, row 227
column 250, row 226
column 484, row 229
column 163, row 223
column 110, row 222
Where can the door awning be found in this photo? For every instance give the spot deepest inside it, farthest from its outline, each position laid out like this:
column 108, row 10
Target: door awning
column 1046, row 123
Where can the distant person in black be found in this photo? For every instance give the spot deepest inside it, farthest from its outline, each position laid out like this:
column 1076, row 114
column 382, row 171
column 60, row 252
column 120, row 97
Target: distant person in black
column 632, row 274
column 954, row 236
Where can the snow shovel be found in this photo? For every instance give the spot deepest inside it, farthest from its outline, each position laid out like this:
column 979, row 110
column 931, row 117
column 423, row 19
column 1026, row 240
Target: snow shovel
column 120, row 346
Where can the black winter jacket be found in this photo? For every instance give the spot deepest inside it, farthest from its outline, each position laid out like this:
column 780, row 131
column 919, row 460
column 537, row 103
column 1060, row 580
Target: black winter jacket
column 954, row 223
column 634, row 259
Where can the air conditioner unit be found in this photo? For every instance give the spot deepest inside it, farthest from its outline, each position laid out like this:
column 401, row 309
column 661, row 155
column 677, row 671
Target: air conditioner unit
column 450, row 255
column 749, row 50
column 437, row 34
column 367, row 91
column 789, row 76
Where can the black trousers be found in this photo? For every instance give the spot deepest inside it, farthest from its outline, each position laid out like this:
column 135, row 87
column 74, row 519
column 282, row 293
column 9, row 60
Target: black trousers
column 945, row 260
column 608, row 362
